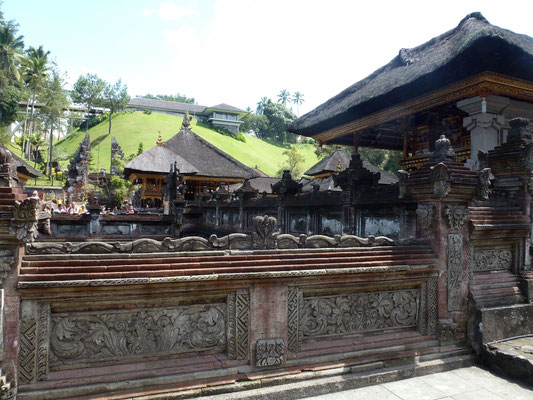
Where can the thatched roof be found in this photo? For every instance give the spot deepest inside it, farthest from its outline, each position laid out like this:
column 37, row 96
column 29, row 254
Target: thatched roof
column 473, row 47
column 331, row 163
column 193, row 156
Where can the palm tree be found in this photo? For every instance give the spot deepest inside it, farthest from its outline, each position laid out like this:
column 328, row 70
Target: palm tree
column 298, row 99
column 261, row 105
column 11, row 47
column 35, row 69
column 284, row 96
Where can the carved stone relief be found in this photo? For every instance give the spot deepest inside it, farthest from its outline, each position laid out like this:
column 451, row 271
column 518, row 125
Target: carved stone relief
column 484, row 184
column 440, row 176
column 455, row 270
column 238, row 309
column 492, row 259
column 456, row 216
column 33, row 336
column 294, row 334
column 362, row 312
column 269, row 352
column 426, row 214
column 99, row 336
column 25, row 219
column 6, row 261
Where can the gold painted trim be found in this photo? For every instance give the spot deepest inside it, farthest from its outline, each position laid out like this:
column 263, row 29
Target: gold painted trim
column 483, row 84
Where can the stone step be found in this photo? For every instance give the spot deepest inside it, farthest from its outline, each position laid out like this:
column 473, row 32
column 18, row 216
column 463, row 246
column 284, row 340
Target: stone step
column 238, row 376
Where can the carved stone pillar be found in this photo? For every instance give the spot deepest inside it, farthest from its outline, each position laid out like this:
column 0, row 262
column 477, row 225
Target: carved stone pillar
column 443, row 189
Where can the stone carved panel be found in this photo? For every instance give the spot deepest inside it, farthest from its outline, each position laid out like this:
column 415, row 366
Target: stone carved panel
column 426, row 214
column 25, row 219
column 6, row 261
column 455, row 271
column 361, row 312
column 33, row 336
column 492, row 259
column 456, row 216
column 100, row 336
column 269, row 352
column 238, row 333
column 432, row 306
column 294, row 332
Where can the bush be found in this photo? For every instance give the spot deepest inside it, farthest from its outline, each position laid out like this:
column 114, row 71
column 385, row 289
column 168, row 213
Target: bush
column 147, row 111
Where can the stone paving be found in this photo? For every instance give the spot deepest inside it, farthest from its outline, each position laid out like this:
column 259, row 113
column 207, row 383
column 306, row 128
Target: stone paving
column 472, row 383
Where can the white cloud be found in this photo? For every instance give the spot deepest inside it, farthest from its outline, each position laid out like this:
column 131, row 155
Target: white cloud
column 170, row 11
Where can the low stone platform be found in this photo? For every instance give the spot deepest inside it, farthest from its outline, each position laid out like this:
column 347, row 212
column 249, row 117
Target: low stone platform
column 513, row 357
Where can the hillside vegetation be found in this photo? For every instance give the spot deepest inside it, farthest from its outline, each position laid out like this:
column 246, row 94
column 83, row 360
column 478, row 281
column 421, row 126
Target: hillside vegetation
column 132, row 128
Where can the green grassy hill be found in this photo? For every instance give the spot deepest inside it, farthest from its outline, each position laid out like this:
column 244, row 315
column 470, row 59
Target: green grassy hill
column 132, row 128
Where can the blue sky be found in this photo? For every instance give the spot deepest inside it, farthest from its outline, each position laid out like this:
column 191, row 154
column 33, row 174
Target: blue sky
column 236, row 51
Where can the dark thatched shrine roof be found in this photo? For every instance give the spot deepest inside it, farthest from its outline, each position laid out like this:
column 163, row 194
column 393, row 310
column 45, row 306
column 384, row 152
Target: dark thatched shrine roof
column 473, row 47
column 23, row 167
column 330, row 163
column 193, row 156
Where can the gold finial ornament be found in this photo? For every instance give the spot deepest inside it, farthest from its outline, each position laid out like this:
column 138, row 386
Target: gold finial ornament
column 339, row 166
column 159, row 140
column 186, row 124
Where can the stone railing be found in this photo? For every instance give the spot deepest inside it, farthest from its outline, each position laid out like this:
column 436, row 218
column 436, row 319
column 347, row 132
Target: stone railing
column 265, row 237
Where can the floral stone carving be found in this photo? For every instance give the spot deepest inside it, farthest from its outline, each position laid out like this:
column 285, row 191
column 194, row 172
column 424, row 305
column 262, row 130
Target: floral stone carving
column 456, row 216
column 25, row 219
column 92, row 337
column 440, row 176
column 492, row 260
column 362, row 312
column 455, row 270
column 269, row 352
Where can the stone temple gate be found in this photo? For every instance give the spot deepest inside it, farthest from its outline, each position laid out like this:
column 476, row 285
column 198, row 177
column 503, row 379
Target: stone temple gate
column 185, row 317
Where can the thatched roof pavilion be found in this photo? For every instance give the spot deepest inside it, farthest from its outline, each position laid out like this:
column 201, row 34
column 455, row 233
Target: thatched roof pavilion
column 420, row 88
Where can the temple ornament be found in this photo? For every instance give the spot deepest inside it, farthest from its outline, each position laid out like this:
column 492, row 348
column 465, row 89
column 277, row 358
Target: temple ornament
column 426, row 214
column 269, row 352
column 456, row 216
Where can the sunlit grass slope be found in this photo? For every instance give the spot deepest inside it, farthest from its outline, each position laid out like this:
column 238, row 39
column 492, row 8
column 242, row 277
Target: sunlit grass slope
column 133, row 128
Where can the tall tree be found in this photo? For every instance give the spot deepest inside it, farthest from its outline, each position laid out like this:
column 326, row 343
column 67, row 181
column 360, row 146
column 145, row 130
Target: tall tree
column 115, row 98
column 261, row 105
column 35, row 68
column 55, row 102
column 279, row 119
column 298, row 99
column 11, row 47
column 284, row 97
column 88, row 90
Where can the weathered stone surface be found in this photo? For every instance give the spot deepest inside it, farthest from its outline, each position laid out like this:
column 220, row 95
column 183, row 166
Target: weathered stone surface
column 269, row 352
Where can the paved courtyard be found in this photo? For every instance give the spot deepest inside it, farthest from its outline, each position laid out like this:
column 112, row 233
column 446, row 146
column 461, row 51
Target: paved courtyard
column 472, row 383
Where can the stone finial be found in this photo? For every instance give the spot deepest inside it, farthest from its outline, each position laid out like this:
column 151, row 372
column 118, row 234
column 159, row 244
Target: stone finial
column 443, row 151
column 186, row 124
column 159, row 141
column 518, row 130
column 8, row 174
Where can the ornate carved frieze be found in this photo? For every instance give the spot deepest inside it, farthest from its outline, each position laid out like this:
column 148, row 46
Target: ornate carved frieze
column 269, row 352
column 25, row 219
column 426, row 214
column 263, row 238
column 294, row 311
column 99, row 336
column 456, row 216
column 455, row 271
column 357, row 313
column 492, row 259
column 238, row 309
